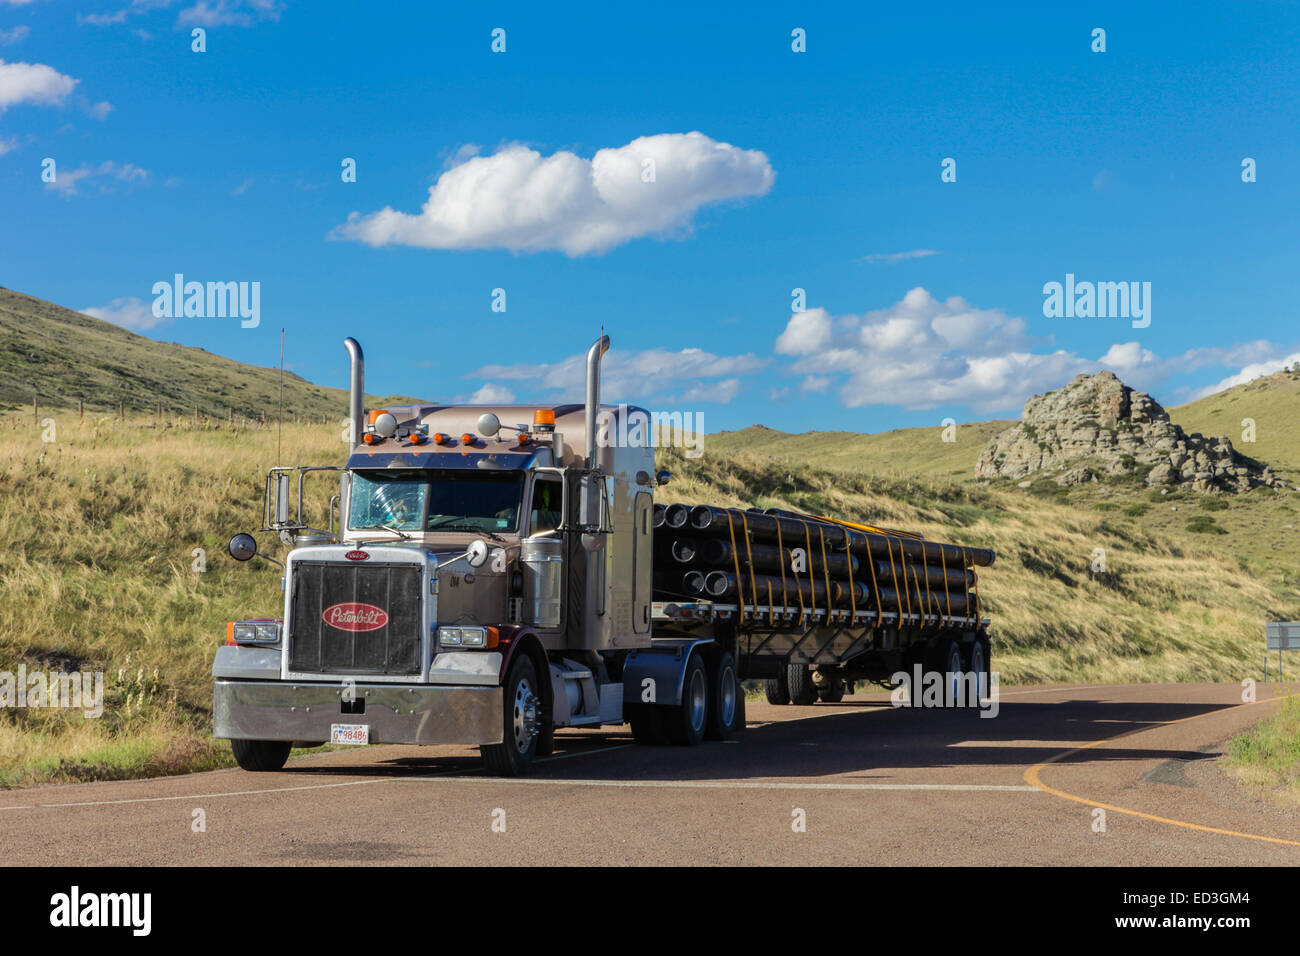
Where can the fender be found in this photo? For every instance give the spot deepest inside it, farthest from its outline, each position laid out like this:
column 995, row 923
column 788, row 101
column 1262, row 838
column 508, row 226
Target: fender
column 520, row 639
column 664, row 662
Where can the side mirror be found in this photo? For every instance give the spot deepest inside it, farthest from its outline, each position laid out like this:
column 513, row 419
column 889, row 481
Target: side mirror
column 663, row 477
column 477, row 553
column 386, row 425
column 242, row 547
column 488, row 424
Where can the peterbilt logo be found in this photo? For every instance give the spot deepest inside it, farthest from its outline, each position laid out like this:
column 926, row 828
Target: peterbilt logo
column 356, row 555
column 353, row 616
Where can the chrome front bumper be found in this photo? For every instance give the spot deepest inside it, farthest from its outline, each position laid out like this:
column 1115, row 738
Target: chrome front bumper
column 395, row 713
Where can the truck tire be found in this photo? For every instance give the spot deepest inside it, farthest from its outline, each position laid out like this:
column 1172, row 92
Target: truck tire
column 777, row 689
column 685, row 722
column 646, row 721
column 725, row 695
column 945, row 658
column 832, row 693
column 802, row 690
column 521, row 722
column 260, row 756
column 977, row 663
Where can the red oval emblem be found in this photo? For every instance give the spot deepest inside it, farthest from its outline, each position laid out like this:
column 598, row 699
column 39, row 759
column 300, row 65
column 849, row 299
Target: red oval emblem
column 353, row 616
column 356, row 555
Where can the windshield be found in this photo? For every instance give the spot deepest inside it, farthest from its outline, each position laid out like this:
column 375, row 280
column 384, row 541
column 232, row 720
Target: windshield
column 440, row 499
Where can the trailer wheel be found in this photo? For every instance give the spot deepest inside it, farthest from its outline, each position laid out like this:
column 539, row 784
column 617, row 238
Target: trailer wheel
column 521, row 722
column 647, row 724
column 725, row 695
column 832, row 693
column 977, row 663
column 777, row 689
column 945, row 659
column 802, row 690
column 686, row 721
column 260, row 756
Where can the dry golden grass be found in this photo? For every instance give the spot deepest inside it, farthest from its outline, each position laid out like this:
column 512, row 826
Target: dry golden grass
column 98, row 574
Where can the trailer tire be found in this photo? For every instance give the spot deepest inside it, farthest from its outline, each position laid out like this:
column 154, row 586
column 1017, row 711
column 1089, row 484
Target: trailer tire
column 261, row 756
column 977, row 663
column 725, row 695
column 946, row 659
column 777, row 689
column 647, row 725
column 685, row 722
column 521, row 722
column 802, row 690
column 832, row 693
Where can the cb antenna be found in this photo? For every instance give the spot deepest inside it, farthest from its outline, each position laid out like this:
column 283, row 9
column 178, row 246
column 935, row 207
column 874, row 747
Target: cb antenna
column 279, row 431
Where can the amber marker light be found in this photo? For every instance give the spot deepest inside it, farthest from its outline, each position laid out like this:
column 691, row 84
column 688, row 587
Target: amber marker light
column 544, row 416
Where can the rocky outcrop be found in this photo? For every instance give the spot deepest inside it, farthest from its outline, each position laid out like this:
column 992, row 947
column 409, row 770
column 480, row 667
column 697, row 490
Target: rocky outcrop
column 1098, row 426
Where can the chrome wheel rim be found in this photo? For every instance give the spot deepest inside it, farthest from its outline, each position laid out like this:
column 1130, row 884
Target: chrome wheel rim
column 697, row 702
column 955, row 673
column 727, row 699
column 524, row 716
column 977, row 668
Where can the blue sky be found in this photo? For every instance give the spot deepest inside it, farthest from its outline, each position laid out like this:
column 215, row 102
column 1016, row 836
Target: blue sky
column 818, row 170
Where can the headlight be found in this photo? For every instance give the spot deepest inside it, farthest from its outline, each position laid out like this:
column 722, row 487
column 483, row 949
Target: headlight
column 256, row 632
column 463, row 636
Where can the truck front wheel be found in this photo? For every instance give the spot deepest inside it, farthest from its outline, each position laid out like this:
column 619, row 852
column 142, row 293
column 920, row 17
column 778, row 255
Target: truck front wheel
column 522, row 721
column 260, row 756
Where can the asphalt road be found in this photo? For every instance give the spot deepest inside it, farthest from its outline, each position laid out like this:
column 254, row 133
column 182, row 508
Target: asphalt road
column 871, row 784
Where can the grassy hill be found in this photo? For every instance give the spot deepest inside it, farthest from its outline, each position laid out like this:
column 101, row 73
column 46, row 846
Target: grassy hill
column 100, row 570
column 64, row 356
column 904, row 451
column 1274, row 404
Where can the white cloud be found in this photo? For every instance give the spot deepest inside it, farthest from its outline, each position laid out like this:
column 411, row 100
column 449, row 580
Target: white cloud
column 638, row 375
column 7, row 144
column 67, row 181
column 924, row 353
column 720, row 392
column 890, row 258
column 490, row 394
column 16, row 35
column 33, row 83
column 234, row 13
column 128, row 312
column 519, row 200
column 100, row 111
column 1250, row 373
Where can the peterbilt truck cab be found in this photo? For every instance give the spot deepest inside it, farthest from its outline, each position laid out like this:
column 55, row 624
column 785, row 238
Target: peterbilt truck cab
column 486, row 580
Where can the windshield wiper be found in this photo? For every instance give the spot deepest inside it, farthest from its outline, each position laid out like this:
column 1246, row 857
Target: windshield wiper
column 465, row 527
column 384, row 527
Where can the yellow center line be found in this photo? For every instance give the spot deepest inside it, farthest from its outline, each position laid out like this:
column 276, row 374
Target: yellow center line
column 1032, row 777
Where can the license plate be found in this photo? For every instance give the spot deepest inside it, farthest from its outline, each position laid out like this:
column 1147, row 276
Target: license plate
column 358, row 734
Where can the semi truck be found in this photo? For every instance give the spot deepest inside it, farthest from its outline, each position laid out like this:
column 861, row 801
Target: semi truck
column 491, row 573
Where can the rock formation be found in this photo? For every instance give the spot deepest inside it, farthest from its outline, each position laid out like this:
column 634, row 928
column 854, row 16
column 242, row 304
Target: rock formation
column 1097, row 426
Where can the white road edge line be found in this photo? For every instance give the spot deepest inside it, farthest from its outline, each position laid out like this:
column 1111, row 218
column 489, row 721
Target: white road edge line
column 731, row 785
column 311, row 786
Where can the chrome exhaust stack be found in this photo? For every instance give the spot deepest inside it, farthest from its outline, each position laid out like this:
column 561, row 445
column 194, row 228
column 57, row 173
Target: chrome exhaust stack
column 356, row 388
column 594, row 355
column 589, row 505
